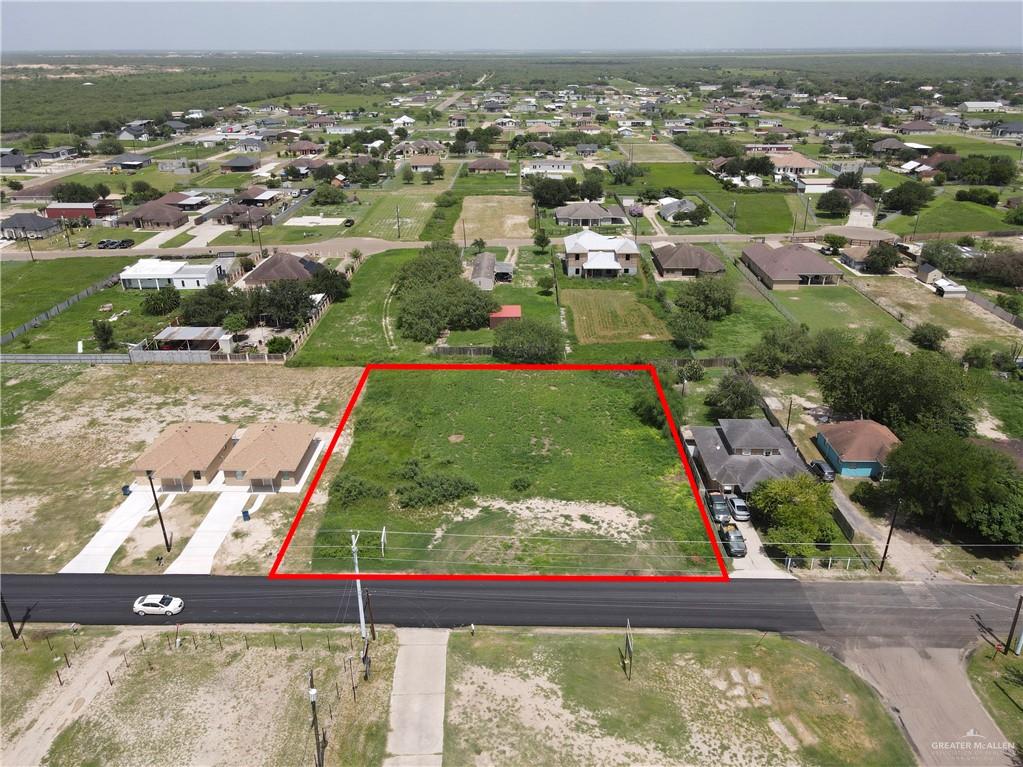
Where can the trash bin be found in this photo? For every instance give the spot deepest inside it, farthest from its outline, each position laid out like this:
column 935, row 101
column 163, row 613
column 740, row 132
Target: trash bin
column 125, row 489
column 245, row 515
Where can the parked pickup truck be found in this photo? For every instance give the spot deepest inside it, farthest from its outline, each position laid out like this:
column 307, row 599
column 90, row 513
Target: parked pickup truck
column 731, row 538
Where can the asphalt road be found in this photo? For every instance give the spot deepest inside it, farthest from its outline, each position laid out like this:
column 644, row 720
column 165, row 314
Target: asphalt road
column 832, row 612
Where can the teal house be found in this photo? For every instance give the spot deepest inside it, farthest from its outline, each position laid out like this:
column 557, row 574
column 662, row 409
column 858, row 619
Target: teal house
column 856, row 448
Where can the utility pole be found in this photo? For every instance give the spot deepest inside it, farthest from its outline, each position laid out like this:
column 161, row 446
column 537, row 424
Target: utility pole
column 916, row 224
column 64, row 226
column 317, row 745
column 888, row 542
column 1012, row 628
column 10, row 621
column 259, row 236
column 358, row 585
column 806, row 212
column 159, row 514
column 465, row 241
column 397, row 220
column 372, row 623
column 788, row 419
column 28, row 241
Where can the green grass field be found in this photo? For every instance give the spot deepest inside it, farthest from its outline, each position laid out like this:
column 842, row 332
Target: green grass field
column 641, row 149
column 28, row 288
column 696, row 697
column 62, row 333
column 945, row 214
column 837, row 306
column 121, row 182
column 178, row 240
column 352, row 332
column 568, row 479
column 686, row 177
column 610, row 316
column 998, row 681
column 396, row 216
column 754, row 213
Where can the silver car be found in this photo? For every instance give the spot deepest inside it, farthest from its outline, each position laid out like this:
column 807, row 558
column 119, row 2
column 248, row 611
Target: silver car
column 739, row 509
column 159, row 604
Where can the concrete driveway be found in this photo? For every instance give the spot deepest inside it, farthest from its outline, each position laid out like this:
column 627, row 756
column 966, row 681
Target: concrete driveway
column 756, row 563
column 197, row 557
column 95, row 556
column 416, row 737
column 864, row 218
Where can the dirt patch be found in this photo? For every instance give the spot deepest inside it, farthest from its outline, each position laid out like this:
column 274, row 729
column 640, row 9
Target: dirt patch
column 456, row 438
column 495, row 216
column 989, row 426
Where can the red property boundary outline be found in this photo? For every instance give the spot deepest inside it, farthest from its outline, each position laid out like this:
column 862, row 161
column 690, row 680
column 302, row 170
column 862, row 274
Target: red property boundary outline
column 277, row 575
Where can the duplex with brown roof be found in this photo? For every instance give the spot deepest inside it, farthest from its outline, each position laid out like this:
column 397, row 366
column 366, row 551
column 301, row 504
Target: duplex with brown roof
column 790, row 266
column 185, row 455
column 269, row 456
column 489, row 165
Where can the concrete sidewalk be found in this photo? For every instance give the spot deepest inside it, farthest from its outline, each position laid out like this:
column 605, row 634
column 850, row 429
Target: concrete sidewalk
column 197, row 557
column 96, row 555
column 416, row 736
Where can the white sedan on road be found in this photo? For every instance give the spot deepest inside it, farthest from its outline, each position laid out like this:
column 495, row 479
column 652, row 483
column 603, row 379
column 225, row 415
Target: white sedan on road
column 159, row 604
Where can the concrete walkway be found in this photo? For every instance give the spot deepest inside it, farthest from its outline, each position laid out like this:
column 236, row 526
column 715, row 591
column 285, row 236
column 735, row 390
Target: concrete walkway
column 756, row 563
column 416, row 736
column 197, row 557
column 96, row 555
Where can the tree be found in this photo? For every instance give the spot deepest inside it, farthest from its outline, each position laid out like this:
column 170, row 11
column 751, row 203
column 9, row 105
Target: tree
column 835, row 242
column 437, row 170
column 712, row 298
column 14, row 184
column 287, row 303
column 103, row 332
column 420, row 318
column 407, row 174
column 977, row 356
column 331, row 283
column 208, row 307
column 833, row 203
column 101, row 190
column 849, row 180
column 141, row 191
column 943, row 254
column 279, row 345
column 163, row 301
column 908, row 198
column 688, row 329
column 692, row 370
column 326, row 194
column 401, row 133
column 37, row 141
column 72, row 191
column 528, row 341
column 427, row 177
column 546, row 284
column 109, row 145
column 541, row 240
column 624, row 172
column 479, row 244
column 796, row 512
column 758, row 165
column 591, row 188
column 550, row 192
column 235, row 323
column 735, row 396
column 983, row 493
column 881, row 258
column 929, row 336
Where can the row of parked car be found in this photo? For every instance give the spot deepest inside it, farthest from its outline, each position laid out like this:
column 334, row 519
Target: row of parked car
column 108, row 244
column 723, row 509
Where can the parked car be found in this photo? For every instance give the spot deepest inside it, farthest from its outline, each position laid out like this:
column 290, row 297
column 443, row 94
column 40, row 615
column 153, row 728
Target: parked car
column 83, row 244
column 718, row 509
column 739, row 509
column 106, row 244
column 349, row 222
column 125, row 243
column 158, row 604
column 732, row 540
column 822, row 470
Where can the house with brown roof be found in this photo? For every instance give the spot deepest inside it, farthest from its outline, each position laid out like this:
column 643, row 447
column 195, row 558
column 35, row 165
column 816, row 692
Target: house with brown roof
column 790, row 266
column 856, row 448
column 458, row 120
column 916, row 126
column 590, row 214
column 423, row 163
column 489, row 165
column 305, row 148
column 282, row 266
column 154, row 215
column 269, row 456
column 185, row 455
column 684, row 260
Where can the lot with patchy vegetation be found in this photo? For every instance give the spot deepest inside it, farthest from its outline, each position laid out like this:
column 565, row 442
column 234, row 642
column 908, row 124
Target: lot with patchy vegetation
column 700, row 697
column 498, row 471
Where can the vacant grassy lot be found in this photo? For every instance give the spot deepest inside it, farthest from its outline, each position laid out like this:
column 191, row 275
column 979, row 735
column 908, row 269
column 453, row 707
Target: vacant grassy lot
column 1002, row 399
column 488, row 183
column 966, row 323
column 398, row 216
column 685, row 177
column 945, row 214
column 567, row 479
column 607, row 316
column 494, row 216
column 92, row 235
column 121, row 182
column 998, row 682
column 360, row 329
column 698, row 697
column 28, row 288
column 206, row 699
column 62, row 333
column 643, row 150
column 837, row 306
column 754, row 213
column 92, row 422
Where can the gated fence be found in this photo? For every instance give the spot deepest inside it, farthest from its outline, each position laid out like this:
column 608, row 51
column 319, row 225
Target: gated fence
column 53, row 311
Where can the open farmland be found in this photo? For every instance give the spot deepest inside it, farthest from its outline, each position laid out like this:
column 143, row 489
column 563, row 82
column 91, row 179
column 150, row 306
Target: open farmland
column 544, row 482
column 606, row 316
column 698, row 697
column 495, row 216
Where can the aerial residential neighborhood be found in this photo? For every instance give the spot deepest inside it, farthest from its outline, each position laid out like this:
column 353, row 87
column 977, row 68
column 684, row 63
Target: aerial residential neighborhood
column 427, row 383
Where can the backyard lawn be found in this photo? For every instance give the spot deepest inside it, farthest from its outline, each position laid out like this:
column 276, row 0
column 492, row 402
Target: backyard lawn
column 28, row 288
column 609, row 316
column 945, row 214
column 694, row 697
column 837, row 306
column 352, row 332
column 558, row 475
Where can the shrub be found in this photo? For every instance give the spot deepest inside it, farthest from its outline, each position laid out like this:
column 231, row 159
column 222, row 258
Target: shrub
column 162, row 301
column 247, row 264
column 279, row 345
column 521, row 484
column 929, row 336
column 528, row 341
column 980, row 195
column 978, row 357
column 434, row 489
column 348, row 489
column 735, row 396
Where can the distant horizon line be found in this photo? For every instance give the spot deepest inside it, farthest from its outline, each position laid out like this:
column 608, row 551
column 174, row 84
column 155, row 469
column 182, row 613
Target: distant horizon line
column 508, row 51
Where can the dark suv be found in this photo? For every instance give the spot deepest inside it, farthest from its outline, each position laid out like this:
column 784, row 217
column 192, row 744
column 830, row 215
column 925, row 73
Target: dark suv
column 717, row 507
column 822, row 470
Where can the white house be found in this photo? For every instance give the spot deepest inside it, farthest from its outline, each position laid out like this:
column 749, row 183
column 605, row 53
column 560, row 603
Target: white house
column 814, row 185
column 154, row 273
column 588, row 254
column 403, row 122
column 194, row 114
column 552, row 168
column 982, row 106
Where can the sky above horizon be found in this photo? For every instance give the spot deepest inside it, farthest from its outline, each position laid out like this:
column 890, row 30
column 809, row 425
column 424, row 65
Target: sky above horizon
column 423, row 25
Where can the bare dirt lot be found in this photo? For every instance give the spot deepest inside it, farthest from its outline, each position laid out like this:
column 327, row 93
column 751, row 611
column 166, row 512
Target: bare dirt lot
column 495, row 216
column 68, row 442
column 225, row 694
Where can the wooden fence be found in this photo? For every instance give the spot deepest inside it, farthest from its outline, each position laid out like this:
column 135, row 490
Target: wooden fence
column 995, row 309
